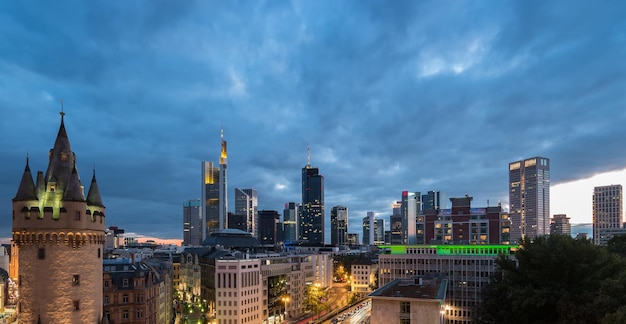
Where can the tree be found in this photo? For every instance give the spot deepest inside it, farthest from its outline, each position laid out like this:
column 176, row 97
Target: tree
column 554, row 279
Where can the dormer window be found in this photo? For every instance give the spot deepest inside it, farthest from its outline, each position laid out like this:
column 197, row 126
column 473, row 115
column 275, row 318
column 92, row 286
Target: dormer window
column 52, row 187
column 64, row 157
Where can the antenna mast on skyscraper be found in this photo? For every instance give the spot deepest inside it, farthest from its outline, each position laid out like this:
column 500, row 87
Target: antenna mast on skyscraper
column 308, row 156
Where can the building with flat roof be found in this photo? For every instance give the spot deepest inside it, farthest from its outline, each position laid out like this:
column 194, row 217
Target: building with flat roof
column 312, row 213
column 192, row 222
column 529, row 198
column 607, row 213
column 247, row 207
column 410, row 300
column 560, row 225
column 466, row 267
column 338, row 225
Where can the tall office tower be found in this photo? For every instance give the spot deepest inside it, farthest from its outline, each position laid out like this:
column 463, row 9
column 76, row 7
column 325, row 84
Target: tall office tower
column 192, row 222
column 312, row 214
column 433, row 200
column 379, row 231
column 58, row 235
column 338, row 225
column 268, row 222
column 395, row 227
column 223, row 185
column 410, row 206
column 366, row 230
column 560, row 225
column 247, row 205
column 290, row 221
column 607, row 213
column 529, row 198
column 215, row 193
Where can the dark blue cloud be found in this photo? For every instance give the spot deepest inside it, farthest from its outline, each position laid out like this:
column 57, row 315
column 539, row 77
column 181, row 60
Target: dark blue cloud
column 390, row 97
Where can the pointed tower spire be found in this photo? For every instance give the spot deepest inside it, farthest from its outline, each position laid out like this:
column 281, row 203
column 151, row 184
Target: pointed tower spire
column 62, row 159
column 26, row 190
column 93, row 196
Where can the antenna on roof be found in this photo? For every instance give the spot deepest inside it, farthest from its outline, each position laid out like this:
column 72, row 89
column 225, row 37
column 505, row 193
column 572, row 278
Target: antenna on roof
column 308, row 156
column 62, row 112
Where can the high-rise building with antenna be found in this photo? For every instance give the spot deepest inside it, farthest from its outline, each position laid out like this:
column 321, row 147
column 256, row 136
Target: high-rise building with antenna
column 58, row 234
column 215, row 193
column 311, row 225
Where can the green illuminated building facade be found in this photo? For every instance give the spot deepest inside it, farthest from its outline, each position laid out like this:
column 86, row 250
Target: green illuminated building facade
column 467, row 268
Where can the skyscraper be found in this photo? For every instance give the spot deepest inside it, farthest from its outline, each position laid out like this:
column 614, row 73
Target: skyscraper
column 247, row 205
column 312, row 214
column 338, row 225
column 410, row 206
column 215, row 193
column 607, row 213
column 529, row 198
column 192, row 222
column 291, row 213
column 58, row 234
column 433, row 200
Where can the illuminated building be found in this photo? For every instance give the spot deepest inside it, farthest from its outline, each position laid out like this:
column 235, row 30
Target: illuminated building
column 215, row 193
column 312, row 213
column 373, row 230
column 529, row 198
column 410, row 205
column 467, row 268
column 58, row 236
column 290, row 221
column 247, row 206
column 338, row 225
column 395, row 226
column 607, row 213
column 560, row 225
column 192, row 222
column 363, row 275
column 353, row 239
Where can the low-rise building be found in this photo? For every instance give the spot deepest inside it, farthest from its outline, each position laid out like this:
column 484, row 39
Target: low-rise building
column 410, row 300
column 364, row 273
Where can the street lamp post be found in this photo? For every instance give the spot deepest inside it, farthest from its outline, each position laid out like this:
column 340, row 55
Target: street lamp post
column 285, row 300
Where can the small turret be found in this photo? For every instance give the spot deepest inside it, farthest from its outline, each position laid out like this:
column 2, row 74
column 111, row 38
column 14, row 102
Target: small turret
column 74, row 190
column 93, row 197
column 26, row 190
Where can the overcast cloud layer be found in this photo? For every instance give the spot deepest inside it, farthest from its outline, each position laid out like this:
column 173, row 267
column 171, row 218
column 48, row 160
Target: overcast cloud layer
column 389, row 95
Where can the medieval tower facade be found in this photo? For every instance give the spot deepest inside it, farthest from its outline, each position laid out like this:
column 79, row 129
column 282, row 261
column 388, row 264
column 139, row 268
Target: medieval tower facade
column 59, row 236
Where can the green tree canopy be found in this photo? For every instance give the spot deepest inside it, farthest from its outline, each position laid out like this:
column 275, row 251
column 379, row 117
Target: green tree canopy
column 555, row 279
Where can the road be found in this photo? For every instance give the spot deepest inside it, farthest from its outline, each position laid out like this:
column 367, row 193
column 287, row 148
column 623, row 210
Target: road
column 358, row 314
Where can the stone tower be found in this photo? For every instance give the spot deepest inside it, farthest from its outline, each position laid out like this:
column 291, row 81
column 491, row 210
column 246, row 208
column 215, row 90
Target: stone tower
column 59, row 236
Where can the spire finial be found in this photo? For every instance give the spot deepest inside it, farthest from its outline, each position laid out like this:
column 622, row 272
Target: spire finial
column 222, row 132
column 62, row 108
column 308, row 156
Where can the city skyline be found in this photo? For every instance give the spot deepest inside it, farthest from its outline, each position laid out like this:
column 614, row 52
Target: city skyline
column 390, row 98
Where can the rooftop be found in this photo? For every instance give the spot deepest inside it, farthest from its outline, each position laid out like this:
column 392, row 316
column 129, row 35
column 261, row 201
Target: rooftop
column 416, row 287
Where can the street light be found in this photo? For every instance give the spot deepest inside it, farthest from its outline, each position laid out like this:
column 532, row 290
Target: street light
column 285, row 300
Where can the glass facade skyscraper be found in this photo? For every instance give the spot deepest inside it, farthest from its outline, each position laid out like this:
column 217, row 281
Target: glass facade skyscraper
column 339, row 225
column 312, row 215
column 290, row 221
column 247, row 206
column 529, row 198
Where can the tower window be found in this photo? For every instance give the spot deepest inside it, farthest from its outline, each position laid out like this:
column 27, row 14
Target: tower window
column 98, row 253
column 77, row 217
column 76, row 280
column 41, row 253
column 76, row 305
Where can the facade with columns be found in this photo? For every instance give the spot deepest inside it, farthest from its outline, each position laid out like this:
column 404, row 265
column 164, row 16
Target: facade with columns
column 57, row 239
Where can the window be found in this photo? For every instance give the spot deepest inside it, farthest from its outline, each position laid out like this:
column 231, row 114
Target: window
column 76, row 305
column 106, row 284
column 125, row 283
column 106, row 300
column 41, row 253
column 125, row 314
column 139, row 313
column 405, row 307
column 98, row 253
column 125, row 299
column 76, row 280
column 77, row 217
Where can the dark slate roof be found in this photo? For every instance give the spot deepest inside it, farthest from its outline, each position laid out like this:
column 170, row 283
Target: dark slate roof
column 62, row 160
column 26, row 190
column 93, row 197
column 231, row 239
column 74, row 190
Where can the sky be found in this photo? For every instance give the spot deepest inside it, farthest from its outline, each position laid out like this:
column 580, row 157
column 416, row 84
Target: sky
column 389, row 96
